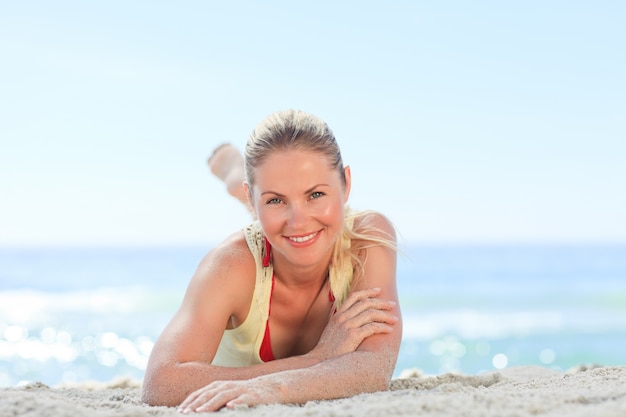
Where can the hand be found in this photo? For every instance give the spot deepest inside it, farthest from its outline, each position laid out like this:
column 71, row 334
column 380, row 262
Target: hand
column 362, row 315
column 219, row 394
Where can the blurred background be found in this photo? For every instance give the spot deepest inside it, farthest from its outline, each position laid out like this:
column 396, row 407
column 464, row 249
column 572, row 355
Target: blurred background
column 491, row 134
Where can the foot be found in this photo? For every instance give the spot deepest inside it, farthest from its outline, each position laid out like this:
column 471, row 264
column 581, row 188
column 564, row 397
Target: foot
column 227, row 164
column 224, row 160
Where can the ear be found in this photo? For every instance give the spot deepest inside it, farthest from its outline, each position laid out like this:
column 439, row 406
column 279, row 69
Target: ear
column 248, row 191
column 348, row 175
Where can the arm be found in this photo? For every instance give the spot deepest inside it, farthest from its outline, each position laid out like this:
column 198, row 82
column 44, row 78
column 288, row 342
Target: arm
column 219, row 294
column 370, row 367
column 366, row 320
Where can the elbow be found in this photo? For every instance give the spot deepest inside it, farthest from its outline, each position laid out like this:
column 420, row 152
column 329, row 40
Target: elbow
column 155, row 392
column 149, row 397
column 375, row 383
column 152, row 396
column 149, row 390
column 380, row 376
column 381, row 382
column 158, row 397
column 377, row 380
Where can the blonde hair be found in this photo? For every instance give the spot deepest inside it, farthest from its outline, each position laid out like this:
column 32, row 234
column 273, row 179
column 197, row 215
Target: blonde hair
column 361, row 234
column 295, row 129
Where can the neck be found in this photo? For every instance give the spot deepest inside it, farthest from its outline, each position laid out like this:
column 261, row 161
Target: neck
column 301, row 276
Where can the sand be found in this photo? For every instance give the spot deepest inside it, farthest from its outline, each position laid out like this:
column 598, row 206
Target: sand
column 523, row 391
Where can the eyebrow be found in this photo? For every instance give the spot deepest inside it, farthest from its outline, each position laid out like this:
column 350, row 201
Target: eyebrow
column 305, row 192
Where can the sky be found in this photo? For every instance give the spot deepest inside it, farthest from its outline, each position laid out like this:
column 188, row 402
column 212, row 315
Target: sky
column 464, row 122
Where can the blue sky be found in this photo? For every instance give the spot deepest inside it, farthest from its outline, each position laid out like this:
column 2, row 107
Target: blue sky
column 464, row 122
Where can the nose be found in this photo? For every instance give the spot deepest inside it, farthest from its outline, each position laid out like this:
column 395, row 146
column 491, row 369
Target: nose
column 297, row 216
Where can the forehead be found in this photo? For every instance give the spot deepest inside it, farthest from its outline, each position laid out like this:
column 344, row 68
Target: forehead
column 281, row 167
column 296, row 154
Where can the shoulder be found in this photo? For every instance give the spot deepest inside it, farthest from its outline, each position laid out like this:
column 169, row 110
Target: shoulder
column 375, row 245
column 231, row 254
column 228, row 270
column 374, row 224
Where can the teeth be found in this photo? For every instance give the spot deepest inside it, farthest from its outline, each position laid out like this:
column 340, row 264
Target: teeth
column 303, row 238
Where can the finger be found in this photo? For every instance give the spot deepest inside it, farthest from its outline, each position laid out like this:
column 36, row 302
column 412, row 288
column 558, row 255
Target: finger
column 372, row 329
column 372, row 316
column 356, row 296
column 365, row 325
column 190, row 399
column 198, row 398
column 358, row 334
column 212, row 401
column 242, row 400
column 364, row 305
column 370, row 300
column 215, row 403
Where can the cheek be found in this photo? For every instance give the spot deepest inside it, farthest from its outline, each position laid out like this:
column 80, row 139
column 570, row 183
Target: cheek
column 270, row 219
column 334, row 212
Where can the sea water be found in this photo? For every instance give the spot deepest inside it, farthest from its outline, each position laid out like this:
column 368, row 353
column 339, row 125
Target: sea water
column 76, row 314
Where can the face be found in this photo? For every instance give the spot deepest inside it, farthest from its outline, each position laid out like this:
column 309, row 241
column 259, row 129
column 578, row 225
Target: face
column 299, row 200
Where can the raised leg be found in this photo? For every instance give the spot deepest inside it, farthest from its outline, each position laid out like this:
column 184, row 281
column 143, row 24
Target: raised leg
column 227, row 164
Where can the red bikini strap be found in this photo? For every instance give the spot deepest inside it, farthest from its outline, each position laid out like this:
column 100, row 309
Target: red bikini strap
column 265, row 352
column 268, row 253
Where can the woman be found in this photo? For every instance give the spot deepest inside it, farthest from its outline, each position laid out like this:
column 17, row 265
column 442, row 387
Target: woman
column 299, row 306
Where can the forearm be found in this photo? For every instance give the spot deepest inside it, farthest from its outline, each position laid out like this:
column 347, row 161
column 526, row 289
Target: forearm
column 170, row 383
column 343, row 376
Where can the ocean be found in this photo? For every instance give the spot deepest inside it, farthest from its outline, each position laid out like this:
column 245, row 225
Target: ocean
column 79, row 314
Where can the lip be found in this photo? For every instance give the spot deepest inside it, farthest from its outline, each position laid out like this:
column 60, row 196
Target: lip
column 303, row 240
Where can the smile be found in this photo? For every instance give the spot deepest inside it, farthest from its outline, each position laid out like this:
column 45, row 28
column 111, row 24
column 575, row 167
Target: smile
column 302, row 239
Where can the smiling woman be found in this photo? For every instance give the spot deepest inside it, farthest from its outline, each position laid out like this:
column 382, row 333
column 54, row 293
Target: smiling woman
column 302, row 304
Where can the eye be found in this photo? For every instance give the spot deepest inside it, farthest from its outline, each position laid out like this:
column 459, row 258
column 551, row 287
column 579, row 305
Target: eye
column 274, row 200
column 317, row 194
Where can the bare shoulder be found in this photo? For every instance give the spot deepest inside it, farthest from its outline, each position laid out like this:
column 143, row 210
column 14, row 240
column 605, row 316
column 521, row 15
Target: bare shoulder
column 223, row 283
column 232, row 256
column 377, row 249
column 377, row 225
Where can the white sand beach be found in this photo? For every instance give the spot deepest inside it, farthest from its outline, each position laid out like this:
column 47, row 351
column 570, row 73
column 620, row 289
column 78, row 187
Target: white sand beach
column 522, row 391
